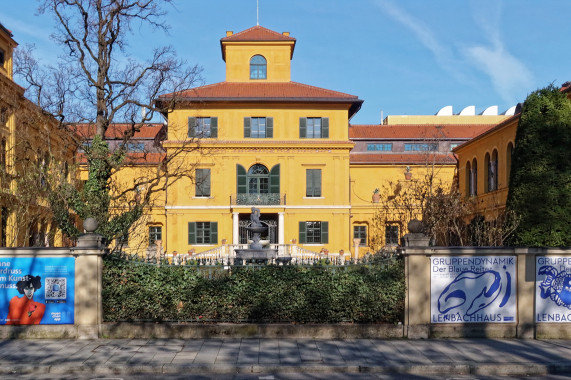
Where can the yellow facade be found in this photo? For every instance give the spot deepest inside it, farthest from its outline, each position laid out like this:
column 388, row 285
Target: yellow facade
column 33, row 150
column 484, row 167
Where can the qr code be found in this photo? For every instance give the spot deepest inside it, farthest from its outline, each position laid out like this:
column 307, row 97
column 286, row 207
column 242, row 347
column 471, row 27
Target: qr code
column 56, row 288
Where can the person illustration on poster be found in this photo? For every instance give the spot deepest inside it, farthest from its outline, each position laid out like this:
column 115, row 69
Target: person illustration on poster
column 24, row 310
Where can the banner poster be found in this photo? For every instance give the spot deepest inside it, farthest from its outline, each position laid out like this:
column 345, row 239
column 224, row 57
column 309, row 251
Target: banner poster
column 473, row 289
column 553, row 289
column 37, row 290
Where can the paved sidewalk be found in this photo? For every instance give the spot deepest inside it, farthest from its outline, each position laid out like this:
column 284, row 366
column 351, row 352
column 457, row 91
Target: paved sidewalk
column 484, row 357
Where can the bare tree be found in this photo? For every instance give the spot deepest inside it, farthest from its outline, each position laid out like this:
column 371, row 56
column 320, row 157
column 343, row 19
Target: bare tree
column 98, row 82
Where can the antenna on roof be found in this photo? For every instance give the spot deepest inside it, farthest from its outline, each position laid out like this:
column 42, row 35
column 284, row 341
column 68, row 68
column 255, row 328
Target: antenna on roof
column 258, row 12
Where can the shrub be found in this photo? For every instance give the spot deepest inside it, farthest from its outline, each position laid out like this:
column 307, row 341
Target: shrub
column 136, row 291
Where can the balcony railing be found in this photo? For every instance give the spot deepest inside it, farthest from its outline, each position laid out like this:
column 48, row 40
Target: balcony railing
column 269, row 199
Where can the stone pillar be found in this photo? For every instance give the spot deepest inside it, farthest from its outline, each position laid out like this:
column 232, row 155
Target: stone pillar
column 525, row 292
column 281, row 234
column 356, row 243
column 88, row 270
column 281, row 228
column 235, row 228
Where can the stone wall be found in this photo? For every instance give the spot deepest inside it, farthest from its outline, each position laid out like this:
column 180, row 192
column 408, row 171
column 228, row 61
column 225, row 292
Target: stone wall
column 487, row 292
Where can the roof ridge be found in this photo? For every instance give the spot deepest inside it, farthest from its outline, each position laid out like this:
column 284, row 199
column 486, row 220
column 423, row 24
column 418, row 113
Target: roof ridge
column 254, row 28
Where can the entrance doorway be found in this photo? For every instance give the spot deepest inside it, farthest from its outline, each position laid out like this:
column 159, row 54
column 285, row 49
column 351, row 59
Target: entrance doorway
column 271, row 220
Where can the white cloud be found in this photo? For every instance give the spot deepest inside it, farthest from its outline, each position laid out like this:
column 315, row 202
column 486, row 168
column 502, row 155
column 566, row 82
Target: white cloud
column 509, row 76
column 442, row 52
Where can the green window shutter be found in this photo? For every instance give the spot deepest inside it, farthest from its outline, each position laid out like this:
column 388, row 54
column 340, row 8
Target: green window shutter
column 191, row 233
column 308, row 183
column 275, row 179
column 241, row 180
column 325, row 127
column 302, row 127
column 302, row 234
column 270, row 127
column 213, row 127
column 324, row 232
column 191, row 127
column 246, row 127
column 317, row 183
column 213, row 232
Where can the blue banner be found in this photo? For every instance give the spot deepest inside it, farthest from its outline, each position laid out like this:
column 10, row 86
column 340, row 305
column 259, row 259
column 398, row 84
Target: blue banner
column 37, row 290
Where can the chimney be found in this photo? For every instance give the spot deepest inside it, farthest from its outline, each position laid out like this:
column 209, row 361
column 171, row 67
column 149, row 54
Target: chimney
column 229, row 33
column 285, row 34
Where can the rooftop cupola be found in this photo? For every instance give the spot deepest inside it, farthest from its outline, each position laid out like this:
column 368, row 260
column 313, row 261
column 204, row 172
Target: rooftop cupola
column 257, row 54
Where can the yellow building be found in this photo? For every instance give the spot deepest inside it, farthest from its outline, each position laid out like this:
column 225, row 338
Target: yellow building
column 484, row 167
column 265, row 141
column 33, row 150
column 406, row 159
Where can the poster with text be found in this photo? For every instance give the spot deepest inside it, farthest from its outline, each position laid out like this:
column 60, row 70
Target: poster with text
column 37, row 290
column 473, row 289
column 553, row 289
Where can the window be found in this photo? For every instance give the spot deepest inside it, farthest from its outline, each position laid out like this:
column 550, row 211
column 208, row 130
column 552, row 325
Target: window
column 258, row 180
column 2, row 57
column 202, row 182
column 202, row 233
column 258, row 127
column 421, row 147
column 360, row 232
column 4, row 227
column 474, row 178
column 155, row 233
column 509, row 152
column 314, row 232
column 313, row 182
column 203, row 127
column 380, row 147
column 453, row 145
column 136, row 147
column 258, row 67
column 85, row 146
column 493, row 172
column 3, row 115
column 314, row 127
column 392, row 234
column 3, row 156
column 122, row 241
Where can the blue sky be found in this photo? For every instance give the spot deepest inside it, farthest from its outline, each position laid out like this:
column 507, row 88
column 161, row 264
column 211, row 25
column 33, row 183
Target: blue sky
column 401, row 57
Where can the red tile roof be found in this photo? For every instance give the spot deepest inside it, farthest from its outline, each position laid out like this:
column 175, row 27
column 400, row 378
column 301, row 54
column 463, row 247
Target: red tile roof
column 566, row 87
column 117, row 130
column 417, row 131
column 402, row 158
column 259, row 90
column 265, row 92
column 257, row 33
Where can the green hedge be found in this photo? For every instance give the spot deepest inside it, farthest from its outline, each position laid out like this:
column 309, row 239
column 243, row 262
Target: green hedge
column 135, row 291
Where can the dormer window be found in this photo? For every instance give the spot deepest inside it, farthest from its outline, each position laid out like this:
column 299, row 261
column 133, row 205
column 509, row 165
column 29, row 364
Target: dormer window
column 258, row 67
column 2, row 57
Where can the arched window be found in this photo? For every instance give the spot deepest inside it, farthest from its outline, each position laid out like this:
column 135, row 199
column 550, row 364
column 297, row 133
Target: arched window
column 258, row 179
column 474, row 189
column 468, row 178
column 509, row 152
column 493, row 181
column 487, row 172
column 258, row 67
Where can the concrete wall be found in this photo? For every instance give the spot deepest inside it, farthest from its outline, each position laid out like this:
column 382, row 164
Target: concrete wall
column 422, row 285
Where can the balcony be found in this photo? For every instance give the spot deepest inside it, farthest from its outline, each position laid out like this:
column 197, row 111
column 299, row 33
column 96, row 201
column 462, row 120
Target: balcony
column 270, row 199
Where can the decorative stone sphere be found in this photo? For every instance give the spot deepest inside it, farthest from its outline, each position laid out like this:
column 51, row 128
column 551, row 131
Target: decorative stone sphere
column 415, row 226
column 90, row 225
